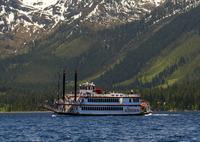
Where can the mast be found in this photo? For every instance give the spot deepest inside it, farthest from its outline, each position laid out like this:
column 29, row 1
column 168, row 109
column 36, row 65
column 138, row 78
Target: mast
column 63, row 97
column 58, row 91
column 75, row 85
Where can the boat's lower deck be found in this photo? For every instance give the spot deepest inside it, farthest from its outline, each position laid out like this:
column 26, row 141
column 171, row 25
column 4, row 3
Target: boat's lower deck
column 108, row 110
column 101, row 110
column 97, row 114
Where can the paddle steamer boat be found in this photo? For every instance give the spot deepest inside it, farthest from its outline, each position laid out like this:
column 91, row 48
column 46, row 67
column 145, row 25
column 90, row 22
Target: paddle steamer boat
column 90, row 100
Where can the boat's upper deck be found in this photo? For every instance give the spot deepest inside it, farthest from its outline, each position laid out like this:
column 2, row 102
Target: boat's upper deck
column 90, row 90
column 89, row 94
column 109, row 95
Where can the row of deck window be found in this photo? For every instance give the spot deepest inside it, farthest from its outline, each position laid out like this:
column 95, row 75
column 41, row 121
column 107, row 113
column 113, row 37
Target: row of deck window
column 102, row 108
column 114, row 100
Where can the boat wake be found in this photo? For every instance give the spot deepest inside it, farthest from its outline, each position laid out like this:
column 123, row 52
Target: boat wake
column 164, row 114
column 150, row 114
column 53, row 115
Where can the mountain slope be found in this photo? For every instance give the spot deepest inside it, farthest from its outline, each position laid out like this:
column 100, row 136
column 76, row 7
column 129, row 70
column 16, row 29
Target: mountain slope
column 174, row 65
column 120, row 56
column 178, row 39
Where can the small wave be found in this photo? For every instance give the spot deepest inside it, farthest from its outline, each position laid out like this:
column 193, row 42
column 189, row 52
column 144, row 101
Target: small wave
column 53, row 115
column 162, row 114
column 165, row 114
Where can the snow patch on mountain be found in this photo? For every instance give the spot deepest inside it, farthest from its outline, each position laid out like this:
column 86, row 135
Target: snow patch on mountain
column 93, row 12
column 3, row 11
column 158, row 2
column 10, row 18
column 77, row 16
column 39, row 4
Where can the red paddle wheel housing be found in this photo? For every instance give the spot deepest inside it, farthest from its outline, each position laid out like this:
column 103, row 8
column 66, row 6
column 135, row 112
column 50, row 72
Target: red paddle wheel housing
column 98, row 90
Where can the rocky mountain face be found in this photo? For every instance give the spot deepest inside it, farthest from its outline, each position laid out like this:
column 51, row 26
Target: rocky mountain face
column 46, row 14
column 22, row 21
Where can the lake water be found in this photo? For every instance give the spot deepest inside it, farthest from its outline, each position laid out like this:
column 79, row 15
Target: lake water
column 164, row 126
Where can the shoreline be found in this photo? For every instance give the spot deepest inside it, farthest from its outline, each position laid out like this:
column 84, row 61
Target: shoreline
column 25, row 112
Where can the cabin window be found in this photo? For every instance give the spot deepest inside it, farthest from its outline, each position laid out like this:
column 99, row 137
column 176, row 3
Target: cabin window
column 104, row 100
column 130, row 100
column 136, row 99
column 103, row 108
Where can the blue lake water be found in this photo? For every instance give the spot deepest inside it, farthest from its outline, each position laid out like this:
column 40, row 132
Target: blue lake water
column 183, row 126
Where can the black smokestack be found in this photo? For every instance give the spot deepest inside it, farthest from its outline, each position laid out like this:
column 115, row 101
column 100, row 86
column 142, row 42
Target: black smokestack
column 63, row 85
column 58, row 91
column 75, row 85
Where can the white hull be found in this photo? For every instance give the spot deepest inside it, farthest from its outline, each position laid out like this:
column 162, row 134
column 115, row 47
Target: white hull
column 94, row 113
column 77, row 110
column 109, row 113
column 100, row 110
